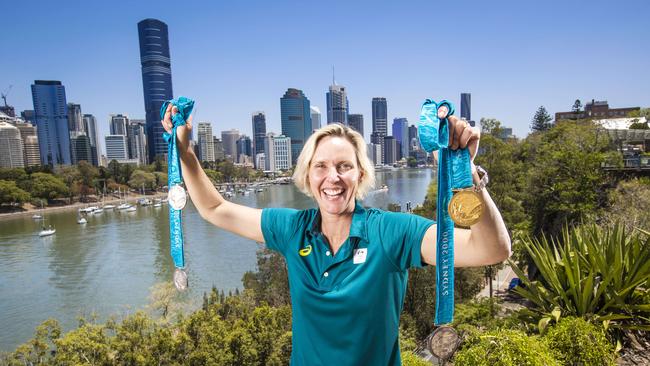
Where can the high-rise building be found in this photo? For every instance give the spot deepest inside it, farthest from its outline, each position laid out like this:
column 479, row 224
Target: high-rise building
column 390, row 150
column 28, row 116
column 295, row 120
column 75, row 119
column 29, row 136
column 8, row 110
column 156, row 80
column 80, row 148
column 118, row 124
column 260, row 161
column 356, row 122
column 116, row 148
column 244, row 148
column 374, row 153
column 205, row 141
column 379, row 122
column 401, row 133
column 90, row 125
column 277, row 150
column 259, row 131
column 315, row 118
column 11, row 147
column 229, row 139
column 51, row 115
column 466, row 106
column 137, row 138
column 337, row 105
column 414, row 139
column 218, row 149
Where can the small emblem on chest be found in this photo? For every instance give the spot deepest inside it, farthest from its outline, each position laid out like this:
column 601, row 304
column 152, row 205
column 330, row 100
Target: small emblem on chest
column 305, row 251
column 360, row 255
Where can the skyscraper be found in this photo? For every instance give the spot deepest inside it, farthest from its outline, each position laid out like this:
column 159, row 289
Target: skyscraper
column 75, row 121
column 229, row 140
column 80, row 148
column 11, row 147
column 259, row 131
column 116, row 148
column 244, row 149
column 218, row 149
column 379, row 122
column 356, row 122
column 277, row 151
column 414, row 139
column 90, row 125
column 118, row 124
column 206, row 141
column 466, row 107
column 401, row 134
column 51, row 115
column 137, row 140
column 337, row 105
column 315, row 117
column 295, row 120
column 29, row 136
column 390, row 150
column 156, row 80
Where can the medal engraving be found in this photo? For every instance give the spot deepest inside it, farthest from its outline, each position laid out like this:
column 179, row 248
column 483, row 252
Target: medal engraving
column 443, row 342
column 465, row 208
column 177, row 197
column 180, row 279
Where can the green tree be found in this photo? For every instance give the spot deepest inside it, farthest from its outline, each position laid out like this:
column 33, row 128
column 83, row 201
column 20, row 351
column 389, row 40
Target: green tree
column 10, row 193
column 140, row 179
column 628, row 204
column 87, row 175
column 270, row 283
column 48, row 187
column 541, row 120
column 161, row 179
column 70, row 175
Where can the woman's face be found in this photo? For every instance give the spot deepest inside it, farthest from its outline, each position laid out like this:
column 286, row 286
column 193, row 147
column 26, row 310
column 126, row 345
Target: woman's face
column 334, row 175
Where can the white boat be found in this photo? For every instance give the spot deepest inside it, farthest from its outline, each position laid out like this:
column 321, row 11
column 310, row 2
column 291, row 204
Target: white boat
column 98, row 211
column 109, row 207
column 37, row 217
column 47, row 232
column 157, row 205
column 260, row 190
column 131, row 209
column 82, row 220
column 123, row 206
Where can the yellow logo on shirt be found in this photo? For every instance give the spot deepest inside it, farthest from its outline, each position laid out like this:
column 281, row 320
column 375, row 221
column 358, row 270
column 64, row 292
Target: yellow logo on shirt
column 305, row 251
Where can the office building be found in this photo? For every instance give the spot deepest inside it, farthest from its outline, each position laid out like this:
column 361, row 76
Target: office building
column 116, row 148
column 118, row 124
column 205, row 142
column 315, row 118
column 29, row 135
column 295, row 114
column 277, row 150
column 379, row 122
column 156, row 80
column 259, row 131
column 596, row 109
column 244, row 149
column 374, row 153
column 356, row 122
column 390, row 150
column 51, row 115
column 137, row 138
column 401, row 133
column 90, row 125
column 229, row 139
column 218, row 149
column 80, row 147
column 11, row 147
column 75, row 119
column 337, row 105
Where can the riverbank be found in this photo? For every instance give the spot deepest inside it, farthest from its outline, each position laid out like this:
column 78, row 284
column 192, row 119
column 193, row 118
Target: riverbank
column 29, row 210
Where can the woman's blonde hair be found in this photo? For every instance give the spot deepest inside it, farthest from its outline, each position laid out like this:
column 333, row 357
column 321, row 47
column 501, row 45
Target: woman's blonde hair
column 367, row 170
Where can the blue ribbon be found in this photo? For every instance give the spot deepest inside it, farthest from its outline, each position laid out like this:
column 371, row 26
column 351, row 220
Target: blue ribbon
column 174, row 174
column 454, row 171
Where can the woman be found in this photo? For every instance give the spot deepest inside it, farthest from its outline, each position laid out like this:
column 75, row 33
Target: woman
column 347, row 265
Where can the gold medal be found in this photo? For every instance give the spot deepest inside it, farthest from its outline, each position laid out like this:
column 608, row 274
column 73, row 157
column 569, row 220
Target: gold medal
column 465, row 208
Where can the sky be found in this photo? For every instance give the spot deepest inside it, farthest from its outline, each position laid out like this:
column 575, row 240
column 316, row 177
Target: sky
column 238, row 57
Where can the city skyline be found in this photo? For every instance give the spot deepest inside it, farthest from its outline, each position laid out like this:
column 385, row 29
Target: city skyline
column 511, row 64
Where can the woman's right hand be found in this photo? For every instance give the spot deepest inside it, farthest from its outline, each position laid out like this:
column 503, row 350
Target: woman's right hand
column 183, row 133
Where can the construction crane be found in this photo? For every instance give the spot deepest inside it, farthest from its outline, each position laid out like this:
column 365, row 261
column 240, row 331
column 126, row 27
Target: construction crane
column 4, row 95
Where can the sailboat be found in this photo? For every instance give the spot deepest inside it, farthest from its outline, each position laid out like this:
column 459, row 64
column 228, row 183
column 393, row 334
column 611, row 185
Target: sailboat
column 38, row 216
column 47, row 231
column 109, row 206
column 81, row 220
column 122, row 206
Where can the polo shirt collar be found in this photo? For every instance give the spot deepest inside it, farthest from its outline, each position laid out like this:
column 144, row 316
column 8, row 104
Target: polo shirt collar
column 357, row 229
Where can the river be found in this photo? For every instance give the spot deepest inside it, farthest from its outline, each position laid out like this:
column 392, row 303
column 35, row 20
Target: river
column 109, row 265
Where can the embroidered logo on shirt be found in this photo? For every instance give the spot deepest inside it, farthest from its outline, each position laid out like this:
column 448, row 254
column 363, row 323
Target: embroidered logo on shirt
column 359, row 255
column 305, row 251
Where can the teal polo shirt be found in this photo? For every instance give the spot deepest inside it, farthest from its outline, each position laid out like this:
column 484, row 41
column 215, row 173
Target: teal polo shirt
column 346, row 307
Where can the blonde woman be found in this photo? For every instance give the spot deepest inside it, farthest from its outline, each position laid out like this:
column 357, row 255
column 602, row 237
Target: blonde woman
column 347, row 265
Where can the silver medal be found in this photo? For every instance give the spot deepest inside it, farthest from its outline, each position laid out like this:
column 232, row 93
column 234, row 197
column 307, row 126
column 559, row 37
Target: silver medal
column 180, row 279
column 177, row 197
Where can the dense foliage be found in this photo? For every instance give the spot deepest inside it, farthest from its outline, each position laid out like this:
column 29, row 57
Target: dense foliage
column 578, row 342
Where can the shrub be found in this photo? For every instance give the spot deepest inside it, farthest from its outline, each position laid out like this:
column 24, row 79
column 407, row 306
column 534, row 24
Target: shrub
column 503, row 348
column 578, row 342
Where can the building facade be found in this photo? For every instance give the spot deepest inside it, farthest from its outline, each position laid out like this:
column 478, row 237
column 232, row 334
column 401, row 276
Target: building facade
column 118, row 124
column 229, row 139
column 401, row 134
column 356, row 122
column 90, row 125
column 379, row 122
column 295, row 115
column 315, row 118
column 11, row 147
column 51, row 115
column 205, row 141
column 390, row 150
column 259, row 131
column 156, row 80
column 218, row 149
column 116, row 148
column 596, row 109
column 31, row 152
column 81, row 149
column 137, row 138
column 75, row 119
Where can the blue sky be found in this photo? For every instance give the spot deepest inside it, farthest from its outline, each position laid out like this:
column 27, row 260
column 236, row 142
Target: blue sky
column 238, row 57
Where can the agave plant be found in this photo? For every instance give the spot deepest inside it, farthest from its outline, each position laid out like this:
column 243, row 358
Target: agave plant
column 602, row 274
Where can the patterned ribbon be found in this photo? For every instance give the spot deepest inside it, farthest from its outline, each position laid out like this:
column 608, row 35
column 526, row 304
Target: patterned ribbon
column 454, row 172
column 174, row 174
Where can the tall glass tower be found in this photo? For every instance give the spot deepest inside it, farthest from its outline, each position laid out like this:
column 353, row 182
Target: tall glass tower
column 379, row 123
column 466, row 106
column 295, row 120
column 51, row 115
column 337, row 105
column 259, row 132
column 156, row 80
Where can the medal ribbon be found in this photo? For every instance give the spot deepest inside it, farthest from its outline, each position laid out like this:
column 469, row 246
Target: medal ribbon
column 454, row 172
column 174, row 174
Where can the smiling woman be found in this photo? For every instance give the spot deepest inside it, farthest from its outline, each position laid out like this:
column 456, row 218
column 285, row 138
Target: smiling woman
column 347, row 265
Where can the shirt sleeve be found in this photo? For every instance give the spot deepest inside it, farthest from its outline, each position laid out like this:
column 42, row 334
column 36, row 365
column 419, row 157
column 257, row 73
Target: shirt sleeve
column 401, row 237
column 278, row 225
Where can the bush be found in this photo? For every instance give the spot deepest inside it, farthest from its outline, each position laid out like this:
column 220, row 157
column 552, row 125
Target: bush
column 578, row 342
column 410, row 359
column 503, row 348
